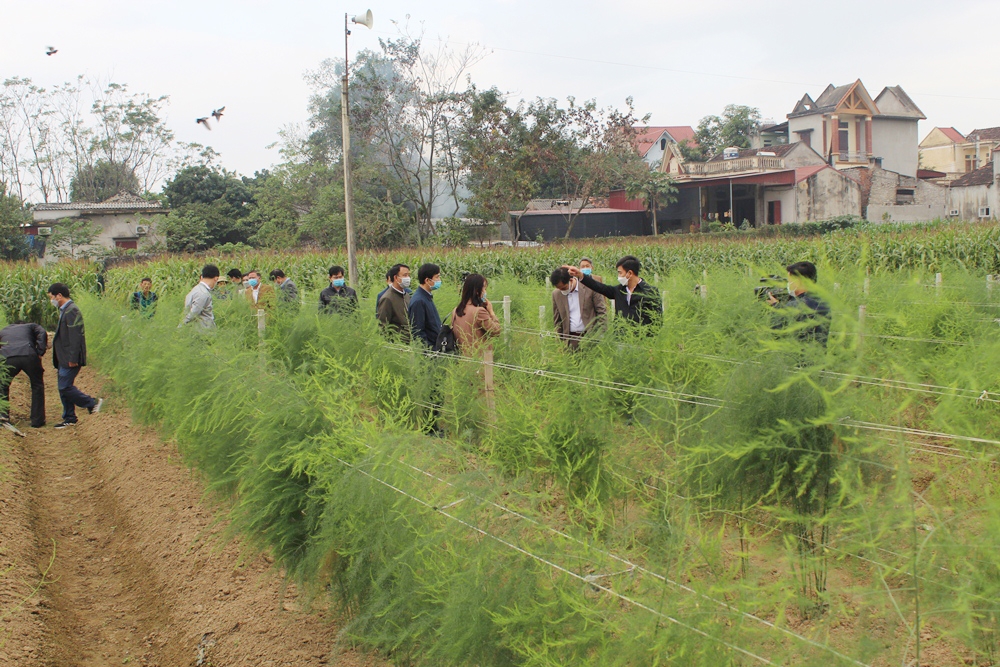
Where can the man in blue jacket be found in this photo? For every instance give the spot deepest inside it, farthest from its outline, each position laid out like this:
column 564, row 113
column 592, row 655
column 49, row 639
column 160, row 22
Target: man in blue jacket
column 424, row 319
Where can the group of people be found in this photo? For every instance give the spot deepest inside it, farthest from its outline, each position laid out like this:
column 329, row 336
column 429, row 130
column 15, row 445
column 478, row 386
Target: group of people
column 24, row 344
column 580, row 306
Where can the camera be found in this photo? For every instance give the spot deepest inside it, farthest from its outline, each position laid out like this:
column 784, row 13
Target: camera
column 771, row 288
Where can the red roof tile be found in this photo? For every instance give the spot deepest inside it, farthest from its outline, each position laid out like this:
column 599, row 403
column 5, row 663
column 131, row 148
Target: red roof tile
column 952, row 134
column 802, row 173
column 647, row 136
column 985, row 134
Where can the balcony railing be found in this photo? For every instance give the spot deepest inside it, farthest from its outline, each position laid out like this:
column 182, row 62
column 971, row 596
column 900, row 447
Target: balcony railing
column 740, row 164
column 845, row 157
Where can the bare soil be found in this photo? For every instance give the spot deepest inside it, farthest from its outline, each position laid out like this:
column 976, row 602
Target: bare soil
column 110, row 555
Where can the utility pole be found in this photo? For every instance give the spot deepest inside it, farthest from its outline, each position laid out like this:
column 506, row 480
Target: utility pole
column 352, row 259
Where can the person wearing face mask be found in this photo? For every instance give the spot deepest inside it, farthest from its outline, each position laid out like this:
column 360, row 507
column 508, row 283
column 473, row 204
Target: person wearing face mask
column 198, row 302
column 259, row 295
column 393, row 305
column 635, row 300
column 576, row 309
column 806, row 314
column 587, row 269
column 229, row 285
column 424, row 318
column 338, row 297
column 473, row 322
column 69, row 355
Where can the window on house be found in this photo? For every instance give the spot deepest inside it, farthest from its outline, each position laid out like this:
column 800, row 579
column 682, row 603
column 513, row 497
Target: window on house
column 805, row 136
column 905, row 195
column 843, row 138
column 970, row 163
column 663, row 144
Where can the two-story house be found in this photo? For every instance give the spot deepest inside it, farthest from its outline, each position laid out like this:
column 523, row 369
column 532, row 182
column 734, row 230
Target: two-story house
column 850, row 129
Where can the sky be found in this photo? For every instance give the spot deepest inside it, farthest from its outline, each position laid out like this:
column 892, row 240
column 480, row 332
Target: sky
column 679, row 61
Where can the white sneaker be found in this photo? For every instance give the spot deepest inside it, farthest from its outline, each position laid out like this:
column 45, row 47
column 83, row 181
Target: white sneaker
column 97, row 407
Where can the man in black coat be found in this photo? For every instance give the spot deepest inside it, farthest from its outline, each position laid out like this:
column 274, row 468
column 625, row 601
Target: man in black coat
column 21, row 349
column 338, row 297
column 69, row 355
column 635, row 300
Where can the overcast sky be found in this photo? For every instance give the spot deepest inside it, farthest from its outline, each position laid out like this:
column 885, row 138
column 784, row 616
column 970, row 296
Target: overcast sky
column 679, row 61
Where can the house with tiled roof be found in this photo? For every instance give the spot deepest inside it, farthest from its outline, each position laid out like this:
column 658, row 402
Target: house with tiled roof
column 849, row 128
column 125, row 220
column 782, row 184
column 652, row 140
column 976, row 195
column 947, row 150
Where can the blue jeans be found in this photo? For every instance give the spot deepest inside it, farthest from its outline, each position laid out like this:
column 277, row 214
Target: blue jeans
column 71, row 397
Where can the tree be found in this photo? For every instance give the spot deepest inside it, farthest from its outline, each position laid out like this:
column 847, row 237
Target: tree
column 102, row 180
column 74, row 238
column 13, row 241
column 655, row 187
column 735, row 128
column 602, row 154
column 209, row 207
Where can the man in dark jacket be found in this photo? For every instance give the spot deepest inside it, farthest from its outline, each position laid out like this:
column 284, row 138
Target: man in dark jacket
column 635, row 300
column 69, row 355
column 287, row 291
column 424, row 318
column 338, row 297
column 805, row 314
column 22, row 347
column 392, row 305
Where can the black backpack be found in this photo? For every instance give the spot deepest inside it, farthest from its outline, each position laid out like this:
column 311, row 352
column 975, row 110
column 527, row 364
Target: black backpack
column 446, row 342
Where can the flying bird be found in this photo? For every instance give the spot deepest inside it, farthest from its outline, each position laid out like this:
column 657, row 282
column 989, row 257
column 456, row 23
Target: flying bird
column 204, row 121
column 217, row 114
column 51, row 50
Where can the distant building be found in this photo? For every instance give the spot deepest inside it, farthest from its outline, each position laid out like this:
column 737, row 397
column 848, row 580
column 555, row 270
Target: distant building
column 849, row 128
column 976, row 195
column 946, row 149
column 782, row 184
column 125, row 220
column 652, row 141
column 548, row 219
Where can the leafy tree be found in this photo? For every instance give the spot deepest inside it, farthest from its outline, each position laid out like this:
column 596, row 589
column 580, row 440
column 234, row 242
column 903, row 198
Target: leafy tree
column 208, row 207
column 735, row 128
column 185, row 231
column 655, row 188
column 13, row 243
column 201, row 184
column 101, row 181
column 74, row 238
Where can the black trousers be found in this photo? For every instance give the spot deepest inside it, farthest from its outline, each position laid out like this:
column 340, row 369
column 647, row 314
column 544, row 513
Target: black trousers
column 32, row 367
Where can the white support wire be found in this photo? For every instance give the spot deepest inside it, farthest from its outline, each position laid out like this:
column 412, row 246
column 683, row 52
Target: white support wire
column 587, row 579
column 631, row 566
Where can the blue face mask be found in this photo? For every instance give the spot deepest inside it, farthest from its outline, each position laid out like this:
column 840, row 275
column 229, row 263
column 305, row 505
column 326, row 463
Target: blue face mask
column 338, row 282
column 437, row 285
column 253, row 282
column 586, row 272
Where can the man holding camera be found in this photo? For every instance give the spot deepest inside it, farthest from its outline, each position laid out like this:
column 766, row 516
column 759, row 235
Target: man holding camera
column 810, row 313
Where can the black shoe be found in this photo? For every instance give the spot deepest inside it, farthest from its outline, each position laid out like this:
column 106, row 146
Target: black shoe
column 65, row 424
column 38, row 425
column 97, row 407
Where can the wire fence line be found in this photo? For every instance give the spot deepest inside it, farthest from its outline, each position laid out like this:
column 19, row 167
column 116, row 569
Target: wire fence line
column 592, row 580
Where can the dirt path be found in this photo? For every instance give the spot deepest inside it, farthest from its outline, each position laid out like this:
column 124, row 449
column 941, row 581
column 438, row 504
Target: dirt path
column 141, row 574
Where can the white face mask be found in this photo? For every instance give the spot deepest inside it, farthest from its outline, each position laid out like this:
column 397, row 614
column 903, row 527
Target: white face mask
column 791, row 289
column 405, row 282
column 483, row 297
column 54, row 302
column 622, row 280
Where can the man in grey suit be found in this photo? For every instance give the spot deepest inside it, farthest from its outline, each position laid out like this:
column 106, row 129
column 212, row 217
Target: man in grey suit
column 69, row 355
column 287, row 291
column 198, row 302
column 576, row 309
column 22, row 346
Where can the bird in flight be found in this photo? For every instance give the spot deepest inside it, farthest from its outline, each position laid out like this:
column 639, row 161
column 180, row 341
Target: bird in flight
column 217, row 113
column 51, row 50
column 204, row 121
